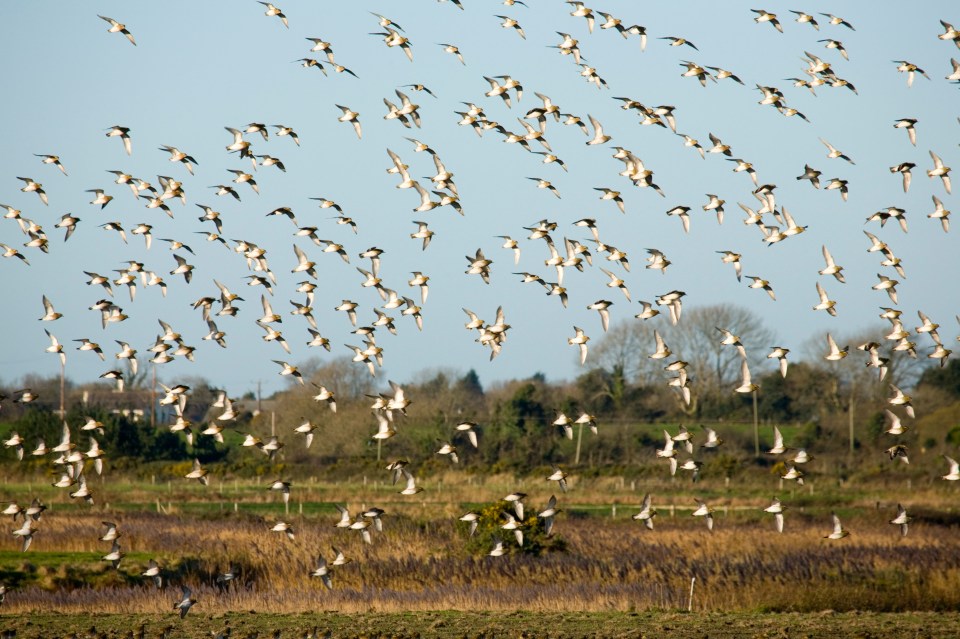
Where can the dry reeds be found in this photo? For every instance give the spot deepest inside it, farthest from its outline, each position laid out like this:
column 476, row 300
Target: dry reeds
column 420, row 564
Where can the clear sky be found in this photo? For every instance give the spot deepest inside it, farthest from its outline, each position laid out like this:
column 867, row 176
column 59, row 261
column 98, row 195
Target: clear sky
column 200, row 66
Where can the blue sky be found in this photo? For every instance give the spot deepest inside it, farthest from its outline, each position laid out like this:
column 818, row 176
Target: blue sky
column 199, row 67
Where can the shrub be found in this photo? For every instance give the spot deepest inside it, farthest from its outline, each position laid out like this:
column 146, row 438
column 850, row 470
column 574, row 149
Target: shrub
column 536, row 542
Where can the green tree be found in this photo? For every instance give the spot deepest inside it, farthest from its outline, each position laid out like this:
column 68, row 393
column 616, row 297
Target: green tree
column 945, row 379
column 803, row 395
column 470, row 384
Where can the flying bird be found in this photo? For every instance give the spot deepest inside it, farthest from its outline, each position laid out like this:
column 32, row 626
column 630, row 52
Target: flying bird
column 839, row 532
column 940, row 170
column 275, row 11
column 352, row 117
column 123, row 133
column 454, row 50
column 776, row 509
column 580, row 340
column 508, row 23
column 910, row 125
column 780, row 354
column 187, row 600
column 52, row 159
column 32, row 186
column 826, row 304
column 806, row 18
column 759, row 282
column 646, row 513
column 833, row 152
column 703, row 510
column 765, row 16
column 837, row 20
column 117, row 27
column 901, row 520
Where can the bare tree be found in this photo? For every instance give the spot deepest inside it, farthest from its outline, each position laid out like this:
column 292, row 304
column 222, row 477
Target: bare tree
column 625, row 347
column 857, row 384
column 340, row 375
column 714, row 368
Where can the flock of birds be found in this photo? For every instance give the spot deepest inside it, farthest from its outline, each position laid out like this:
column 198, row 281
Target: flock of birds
column 774, row 224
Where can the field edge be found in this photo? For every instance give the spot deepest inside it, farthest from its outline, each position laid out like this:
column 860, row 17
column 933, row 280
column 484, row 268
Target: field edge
column 519, row 623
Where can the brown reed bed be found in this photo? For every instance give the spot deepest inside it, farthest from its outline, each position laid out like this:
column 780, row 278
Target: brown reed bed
column 423, row 563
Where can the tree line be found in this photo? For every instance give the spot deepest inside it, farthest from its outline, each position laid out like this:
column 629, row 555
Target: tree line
column 841, row 404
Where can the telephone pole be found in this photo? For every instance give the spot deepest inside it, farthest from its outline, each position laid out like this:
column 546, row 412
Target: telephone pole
column 153, row 399
column 63, row 367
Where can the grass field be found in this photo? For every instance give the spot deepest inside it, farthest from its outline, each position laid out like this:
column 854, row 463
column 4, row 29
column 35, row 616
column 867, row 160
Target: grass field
column 424, row 559
column 600, row 574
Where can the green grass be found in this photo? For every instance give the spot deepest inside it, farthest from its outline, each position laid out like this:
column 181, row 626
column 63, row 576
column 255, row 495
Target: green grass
column 52, row 570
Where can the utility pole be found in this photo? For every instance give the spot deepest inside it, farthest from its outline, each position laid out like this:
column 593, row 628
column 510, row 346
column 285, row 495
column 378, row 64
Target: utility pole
column 576, row 457
column 756, row 427
column 153, row 399
column 850, row 412
column 259, row 398
column 63, row 367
